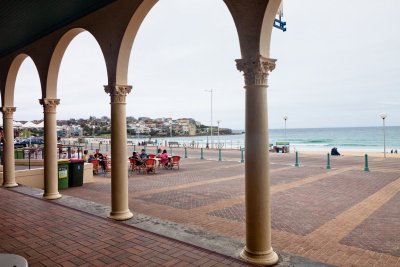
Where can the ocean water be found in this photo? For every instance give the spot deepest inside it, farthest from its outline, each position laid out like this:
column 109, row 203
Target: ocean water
column 356, row 138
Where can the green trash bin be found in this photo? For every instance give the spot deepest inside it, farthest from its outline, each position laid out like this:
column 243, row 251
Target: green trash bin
column 63, row 173
column 75, row 177
column 19, row 154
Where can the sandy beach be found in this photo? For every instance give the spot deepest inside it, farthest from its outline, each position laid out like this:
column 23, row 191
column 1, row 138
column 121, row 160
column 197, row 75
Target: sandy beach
column 359, row 153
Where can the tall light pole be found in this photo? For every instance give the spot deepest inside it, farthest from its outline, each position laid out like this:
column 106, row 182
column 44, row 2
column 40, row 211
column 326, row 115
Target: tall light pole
column 211, row 130
column 383, row 116
column 285, row 118
column 170, row 128
column 218, row 121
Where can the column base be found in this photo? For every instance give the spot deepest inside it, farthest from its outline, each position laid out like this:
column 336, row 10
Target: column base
column 260, row 258
column 121, row 215
column 8, row 185
column 51, row 196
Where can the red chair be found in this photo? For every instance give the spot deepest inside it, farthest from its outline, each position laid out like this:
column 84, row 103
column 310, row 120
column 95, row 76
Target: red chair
column 150, row 165
column 152, row 156
column 175, row 161
column 107, row 165
column 164, row 162
column 133, row 166
column 95, row 163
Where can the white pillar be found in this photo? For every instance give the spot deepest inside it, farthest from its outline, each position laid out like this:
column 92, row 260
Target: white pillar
column 119, row 154
column 8, row 148
column 258, row 247
column 50, row 148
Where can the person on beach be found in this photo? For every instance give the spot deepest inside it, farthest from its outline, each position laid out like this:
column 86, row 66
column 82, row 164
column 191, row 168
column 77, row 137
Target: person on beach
column 335, row 152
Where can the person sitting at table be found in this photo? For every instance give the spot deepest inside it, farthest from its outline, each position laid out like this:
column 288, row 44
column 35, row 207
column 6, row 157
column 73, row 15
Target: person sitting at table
column 159, row 151
column 100, row 157
column 85, row 156
column 73, row 154
column 91, row 158
column 136, row 157
column 143, row 155
column 164, row 158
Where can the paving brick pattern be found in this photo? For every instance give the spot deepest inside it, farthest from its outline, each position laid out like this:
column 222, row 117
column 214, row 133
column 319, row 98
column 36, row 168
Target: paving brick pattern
column 325, row 215
column 294, row 174
column 48, row 234
column 183, row 176
column 380, row 231
column 301, row 210
column 197, row 196
column 235, row 212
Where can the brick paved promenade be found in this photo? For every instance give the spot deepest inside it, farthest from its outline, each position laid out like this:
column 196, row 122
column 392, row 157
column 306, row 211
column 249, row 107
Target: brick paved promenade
column 343, row 216
column 48, row 234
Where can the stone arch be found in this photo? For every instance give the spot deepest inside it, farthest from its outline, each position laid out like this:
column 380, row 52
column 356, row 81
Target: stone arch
column 266, row 29
column 8, row 96
column 128, row 38
column 55, row 61
column 254, row 23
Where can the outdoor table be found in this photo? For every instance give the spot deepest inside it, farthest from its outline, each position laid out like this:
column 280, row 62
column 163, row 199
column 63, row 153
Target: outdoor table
column 13, row 260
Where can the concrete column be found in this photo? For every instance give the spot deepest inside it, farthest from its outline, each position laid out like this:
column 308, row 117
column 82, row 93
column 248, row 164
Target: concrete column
column 50, row 148
column 8, row 148
column 119, row 154
column 258, row 248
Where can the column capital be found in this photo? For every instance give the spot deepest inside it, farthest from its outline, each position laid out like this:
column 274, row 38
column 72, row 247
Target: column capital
column 49, row 104
column 256, row 69
column 118, row 92
column 8, row 112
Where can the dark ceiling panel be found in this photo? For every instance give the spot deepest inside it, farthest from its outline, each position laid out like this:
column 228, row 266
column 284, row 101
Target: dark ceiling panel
column 24, row 21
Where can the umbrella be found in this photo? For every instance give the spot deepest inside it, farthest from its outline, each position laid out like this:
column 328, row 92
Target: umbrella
column 40, row 125
column 17, row 124
column 30, row 124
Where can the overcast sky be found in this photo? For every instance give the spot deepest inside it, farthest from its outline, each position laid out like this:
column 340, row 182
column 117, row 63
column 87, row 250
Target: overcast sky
column 338, row 65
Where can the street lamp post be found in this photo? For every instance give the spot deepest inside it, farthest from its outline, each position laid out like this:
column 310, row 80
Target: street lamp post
column 211, row 129
column 170, row 128
column 93, row 127
column 285, row 118
column 383, row 116
column 137, row 131
column 218, row 122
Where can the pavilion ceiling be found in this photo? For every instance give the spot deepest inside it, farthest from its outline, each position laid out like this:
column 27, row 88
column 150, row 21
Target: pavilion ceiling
column 24, row 21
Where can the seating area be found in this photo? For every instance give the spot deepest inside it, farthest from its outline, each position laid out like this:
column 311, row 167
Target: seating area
column 149, row 165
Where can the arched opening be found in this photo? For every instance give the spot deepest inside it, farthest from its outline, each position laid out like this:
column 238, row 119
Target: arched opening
column 178, row 58
column 27, row 91
column 81, row 78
